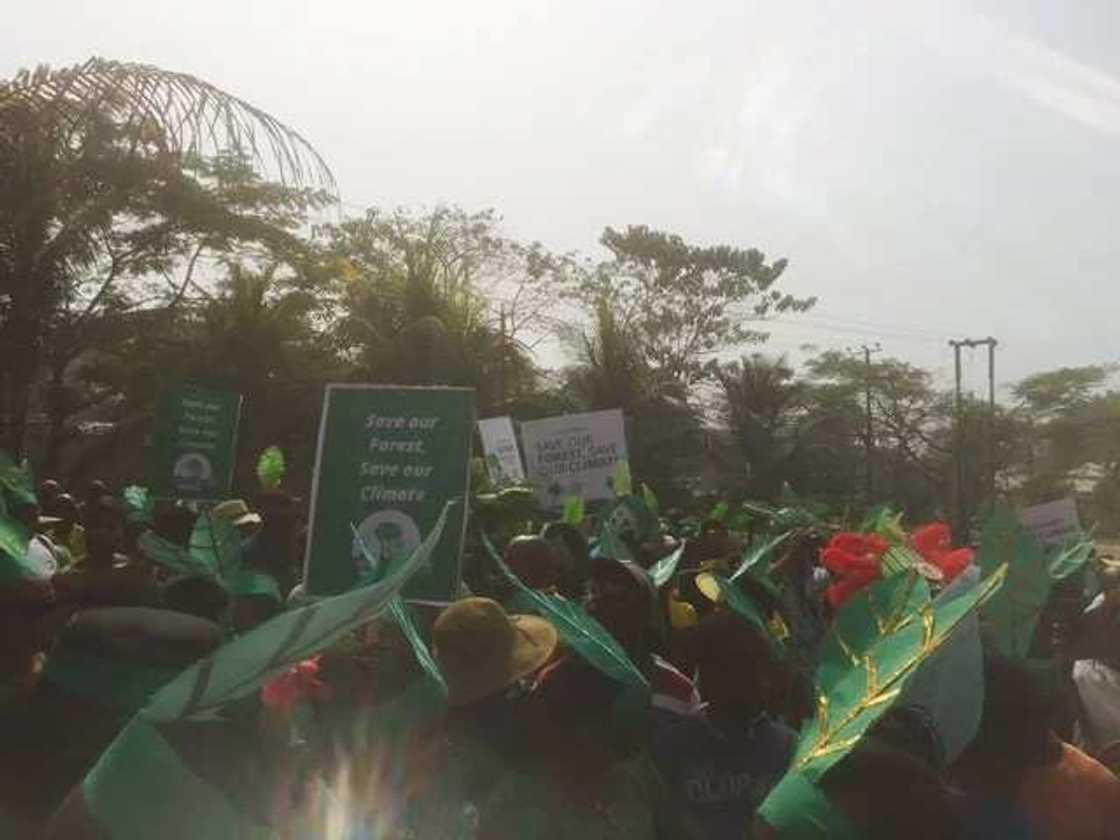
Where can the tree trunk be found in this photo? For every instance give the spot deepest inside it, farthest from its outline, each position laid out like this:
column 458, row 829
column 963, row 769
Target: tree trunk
column 19, row 355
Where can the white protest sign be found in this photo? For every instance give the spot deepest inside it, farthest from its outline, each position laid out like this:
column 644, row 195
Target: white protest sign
column 499, row 445
column 1053, row 522
column 574, row 455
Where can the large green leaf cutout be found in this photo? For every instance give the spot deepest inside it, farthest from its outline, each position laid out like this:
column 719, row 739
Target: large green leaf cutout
column 573, row 511
column 14, row 538
column 864, row 686
column 138, row 504
column 243, row 665
column 578, row 630
column 402, row 614
column 871, row 613
column 1010, row 618
column 751, row 563
column 17, row 486
column 621, row 482
column 214, row 551
column 1070, row 558
column 663, row 570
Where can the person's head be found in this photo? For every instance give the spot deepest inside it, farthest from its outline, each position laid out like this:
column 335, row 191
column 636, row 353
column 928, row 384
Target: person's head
column 95, row 490
column 534, row 562
column 622, row 598
column 483, row 652
column 104, row 529
column 893, row 784
column 570, row 547
column 734, row 664
column 237, row 513
column 1109, row 576
column 65, row 508
column 48, row 490
column 197, row 596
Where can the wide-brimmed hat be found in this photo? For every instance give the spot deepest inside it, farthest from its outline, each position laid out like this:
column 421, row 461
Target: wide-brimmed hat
column 237, row 512
column 482, row 650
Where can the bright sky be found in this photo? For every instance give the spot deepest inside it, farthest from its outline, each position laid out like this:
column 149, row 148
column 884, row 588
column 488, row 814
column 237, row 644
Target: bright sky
column 931, row 169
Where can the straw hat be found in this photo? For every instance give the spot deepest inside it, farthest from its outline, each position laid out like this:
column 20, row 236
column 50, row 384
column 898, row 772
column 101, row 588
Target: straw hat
column 237, row 512
column 482, row 650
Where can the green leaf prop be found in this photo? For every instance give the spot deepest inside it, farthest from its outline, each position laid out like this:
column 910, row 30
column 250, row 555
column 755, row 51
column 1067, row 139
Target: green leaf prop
column 621, row 483
column 142, row 759
column 887, row 604
column 950, row 684
column 663, row 570
column 174, row 557
column 14, row 538
column 271, row 468
column 1070, row 558
column 242, row 666
column 16, row 483
column 573, row 511
column 650, row 499
column 752, row 558
column 863, row 686
column 403, row 616
column 719, row 512
column 740, row 603
column 578, row 630
column 1011, row 617
column 138, row 505
column 899, row 559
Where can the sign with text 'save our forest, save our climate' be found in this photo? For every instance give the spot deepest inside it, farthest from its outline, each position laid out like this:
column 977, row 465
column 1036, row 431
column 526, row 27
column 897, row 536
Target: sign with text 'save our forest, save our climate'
column 389, row 458
column 195, row 443
column 574, row 455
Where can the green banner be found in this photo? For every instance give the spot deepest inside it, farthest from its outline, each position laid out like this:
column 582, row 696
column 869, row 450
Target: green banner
column 195, row 444
column 389, row 459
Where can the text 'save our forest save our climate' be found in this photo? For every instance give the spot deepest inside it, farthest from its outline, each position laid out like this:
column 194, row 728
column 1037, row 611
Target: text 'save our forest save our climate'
column 389, row 459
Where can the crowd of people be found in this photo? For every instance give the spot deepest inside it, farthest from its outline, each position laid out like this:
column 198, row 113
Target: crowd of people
column 595, row 680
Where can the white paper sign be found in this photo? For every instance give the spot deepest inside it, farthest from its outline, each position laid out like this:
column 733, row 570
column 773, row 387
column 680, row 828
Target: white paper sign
column 499, row 445
column 1052, row 523
column 574, row 455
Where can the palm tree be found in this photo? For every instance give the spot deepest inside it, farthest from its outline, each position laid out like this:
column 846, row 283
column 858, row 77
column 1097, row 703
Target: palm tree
column 91, row 182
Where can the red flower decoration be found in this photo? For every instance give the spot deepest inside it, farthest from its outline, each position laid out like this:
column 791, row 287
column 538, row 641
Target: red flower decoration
column 853, row 560
column 284, row 692
column 935, row 543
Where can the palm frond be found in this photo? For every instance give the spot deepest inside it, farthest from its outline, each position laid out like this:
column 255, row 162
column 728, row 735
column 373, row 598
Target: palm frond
column 177, row 111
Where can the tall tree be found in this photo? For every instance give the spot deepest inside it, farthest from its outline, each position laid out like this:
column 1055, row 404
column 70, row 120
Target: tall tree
column 686, row 303
column 92, row 191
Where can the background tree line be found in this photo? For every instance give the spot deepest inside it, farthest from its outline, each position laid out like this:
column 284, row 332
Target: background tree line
column 155, row 230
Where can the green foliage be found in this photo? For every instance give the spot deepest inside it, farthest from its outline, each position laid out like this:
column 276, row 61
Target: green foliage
column 880, row 640
column 573, row 511
column 138, row 504
column 1010, row 618
column 271, row 467
column 621, row 483
column 663, row 570
column 685, row 303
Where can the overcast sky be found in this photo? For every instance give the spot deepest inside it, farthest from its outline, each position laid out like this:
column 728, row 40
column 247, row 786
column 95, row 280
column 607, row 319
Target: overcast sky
column 931, row 170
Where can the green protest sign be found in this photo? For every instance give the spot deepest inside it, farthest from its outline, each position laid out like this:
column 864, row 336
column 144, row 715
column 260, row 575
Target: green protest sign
column 389, row 459
column 195, row 443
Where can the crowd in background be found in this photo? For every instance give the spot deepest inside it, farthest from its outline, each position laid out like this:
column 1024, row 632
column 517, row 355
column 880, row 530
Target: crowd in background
column 532, row 739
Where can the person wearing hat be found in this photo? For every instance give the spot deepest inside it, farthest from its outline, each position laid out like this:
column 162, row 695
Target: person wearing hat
column 482, row 651
column 237, row 512
column 544, row 761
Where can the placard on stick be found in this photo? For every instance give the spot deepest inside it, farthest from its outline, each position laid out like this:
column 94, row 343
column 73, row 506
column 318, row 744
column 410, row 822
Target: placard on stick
column 499, row 445
column 388, row 460
column 195, row 441
column 574, row 455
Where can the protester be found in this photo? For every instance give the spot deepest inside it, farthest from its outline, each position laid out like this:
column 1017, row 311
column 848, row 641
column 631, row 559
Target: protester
column 106, row 577
column 68, row 532
column 622, row 598
column 1021, row 779
column 720, row 764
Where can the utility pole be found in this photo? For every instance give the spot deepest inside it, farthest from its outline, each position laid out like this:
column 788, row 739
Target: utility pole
column 961, row 525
